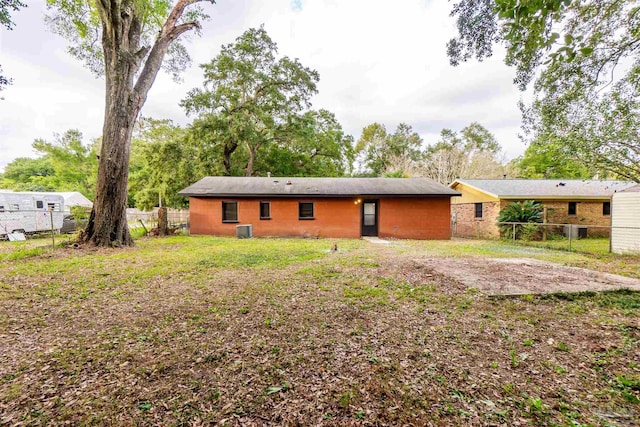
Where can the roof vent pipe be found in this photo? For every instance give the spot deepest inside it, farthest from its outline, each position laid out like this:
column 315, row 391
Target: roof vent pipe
column 288, row 182
column 504, row 176
column 268, row 174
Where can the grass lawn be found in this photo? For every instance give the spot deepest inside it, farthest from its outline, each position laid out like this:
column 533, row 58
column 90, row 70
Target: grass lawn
column 204, row 330
column 598, row 246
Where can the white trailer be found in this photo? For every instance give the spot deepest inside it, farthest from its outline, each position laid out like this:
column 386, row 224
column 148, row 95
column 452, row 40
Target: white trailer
column 29, row 212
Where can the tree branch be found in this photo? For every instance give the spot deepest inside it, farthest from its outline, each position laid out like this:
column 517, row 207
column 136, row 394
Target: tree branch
column 140, row 54
column 182, row 28
column 104, row 11
column 169, row 32
column 175, row 14
column 115, row 21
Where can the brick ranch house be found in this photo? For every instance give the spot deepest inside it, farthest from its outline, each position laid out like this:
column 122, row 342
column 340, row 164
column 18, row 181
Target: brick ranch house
column 407, row 208
column 568, row 201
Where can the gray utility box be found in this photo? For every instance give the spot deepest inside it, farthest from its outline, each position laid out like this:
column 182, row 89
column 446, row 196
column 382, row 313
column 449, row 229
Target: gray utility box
column 244, row 231
column 575, row 231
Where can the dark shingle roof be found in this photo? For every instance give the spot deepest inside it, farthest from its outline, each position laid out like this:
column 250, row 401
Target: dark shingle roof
column 546, row 188
column 223, row 186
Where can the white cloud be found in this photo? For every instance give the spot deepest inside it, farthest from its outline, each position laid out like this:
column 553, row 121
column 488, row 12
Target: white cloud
column 378, row 61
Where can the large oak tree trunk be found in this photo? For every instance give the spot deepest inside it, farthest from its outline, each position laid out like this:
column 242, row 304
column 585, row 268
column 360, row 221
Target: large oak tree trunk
column 122, row 26
column 108, row 221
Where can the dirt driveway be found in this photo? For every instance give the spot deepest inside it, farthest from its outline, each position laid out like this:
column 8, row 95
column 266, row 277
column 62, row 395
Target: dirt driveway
column 514, row 276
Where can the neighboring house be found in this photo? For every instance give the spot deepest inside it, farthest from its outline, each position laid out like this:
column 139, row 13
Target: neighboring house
column 408, row 208
column 625, row 221
column 568, row 201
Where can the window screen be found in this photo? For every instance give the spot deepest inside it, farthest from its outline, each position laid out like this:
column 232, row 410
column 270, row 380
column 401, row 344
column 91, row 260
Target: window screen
column 305, row 210
column 606, row 208
column 265, row 210
column 478, row 212
column 572, row 208
column 229, row 211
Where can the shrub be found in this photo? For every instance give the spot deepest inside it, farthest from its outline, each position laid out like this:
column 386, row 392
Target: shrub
column 528, row 211
column 80, row 213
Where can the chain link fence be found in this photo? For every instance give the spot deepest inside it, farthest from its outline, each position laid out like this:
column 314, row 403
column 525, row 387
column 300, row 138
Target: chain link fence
column 587, row 238
column 40, row 223
column 29, row 221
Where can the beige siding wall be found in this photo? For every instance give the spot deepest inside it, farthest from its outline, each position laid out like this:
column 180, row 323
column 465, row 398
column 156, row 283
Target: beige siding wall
column 625, row 212
column 471, row 195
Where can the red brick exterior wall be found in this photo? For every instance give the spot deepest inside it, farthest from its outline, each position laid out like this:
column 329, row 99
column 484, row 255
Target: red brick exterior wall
column 408, row 218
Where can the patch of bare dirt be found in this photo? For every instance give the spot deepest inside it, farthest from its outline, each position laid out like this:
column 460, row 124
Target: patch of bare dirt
column 517, row 276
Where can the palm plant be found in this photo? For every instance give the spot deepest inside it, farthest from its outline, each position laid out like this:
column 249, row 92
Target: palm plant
column 528, row 211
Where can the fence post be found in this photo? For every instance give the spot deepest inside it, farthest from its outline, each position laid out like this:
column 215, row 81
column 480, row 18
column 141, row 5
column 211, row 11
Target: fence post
column 53, row 236
column 514, row 231
column 570, row 236
column 145, row 228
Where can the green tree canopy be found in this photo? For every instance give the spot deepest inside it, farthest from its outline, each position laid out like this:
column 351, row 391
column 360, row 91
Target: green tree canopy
column 586, row 53
column 66, row 164
column 471, row 153
column 6, row 8
column 318, row 147
column 551, row 159
column 75, row 164
column 253, row 117
column 162, row 164
column 382, row 153
column 27, row 174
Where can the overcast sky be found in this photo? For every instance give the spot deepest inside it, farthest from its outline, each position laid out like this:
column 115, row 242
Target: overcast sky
column 379, row 61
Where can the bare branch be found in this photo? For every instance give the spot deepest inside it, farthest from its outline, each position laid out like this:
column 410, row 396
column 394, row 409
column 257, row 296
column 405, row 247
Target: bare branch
column 182, row 28
column 140, row 54
column 169, row 32
column 175, row 15
column 154, row 61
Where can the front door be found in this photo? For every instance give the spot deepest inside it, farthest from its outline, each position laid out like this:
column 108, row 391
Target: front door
column 369, row 217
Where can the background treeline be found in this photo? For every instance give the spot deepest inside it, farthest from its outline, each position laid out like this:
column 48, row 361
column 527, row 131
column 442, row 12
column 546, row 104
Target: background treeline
column 252, row 116
column 166, row 158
